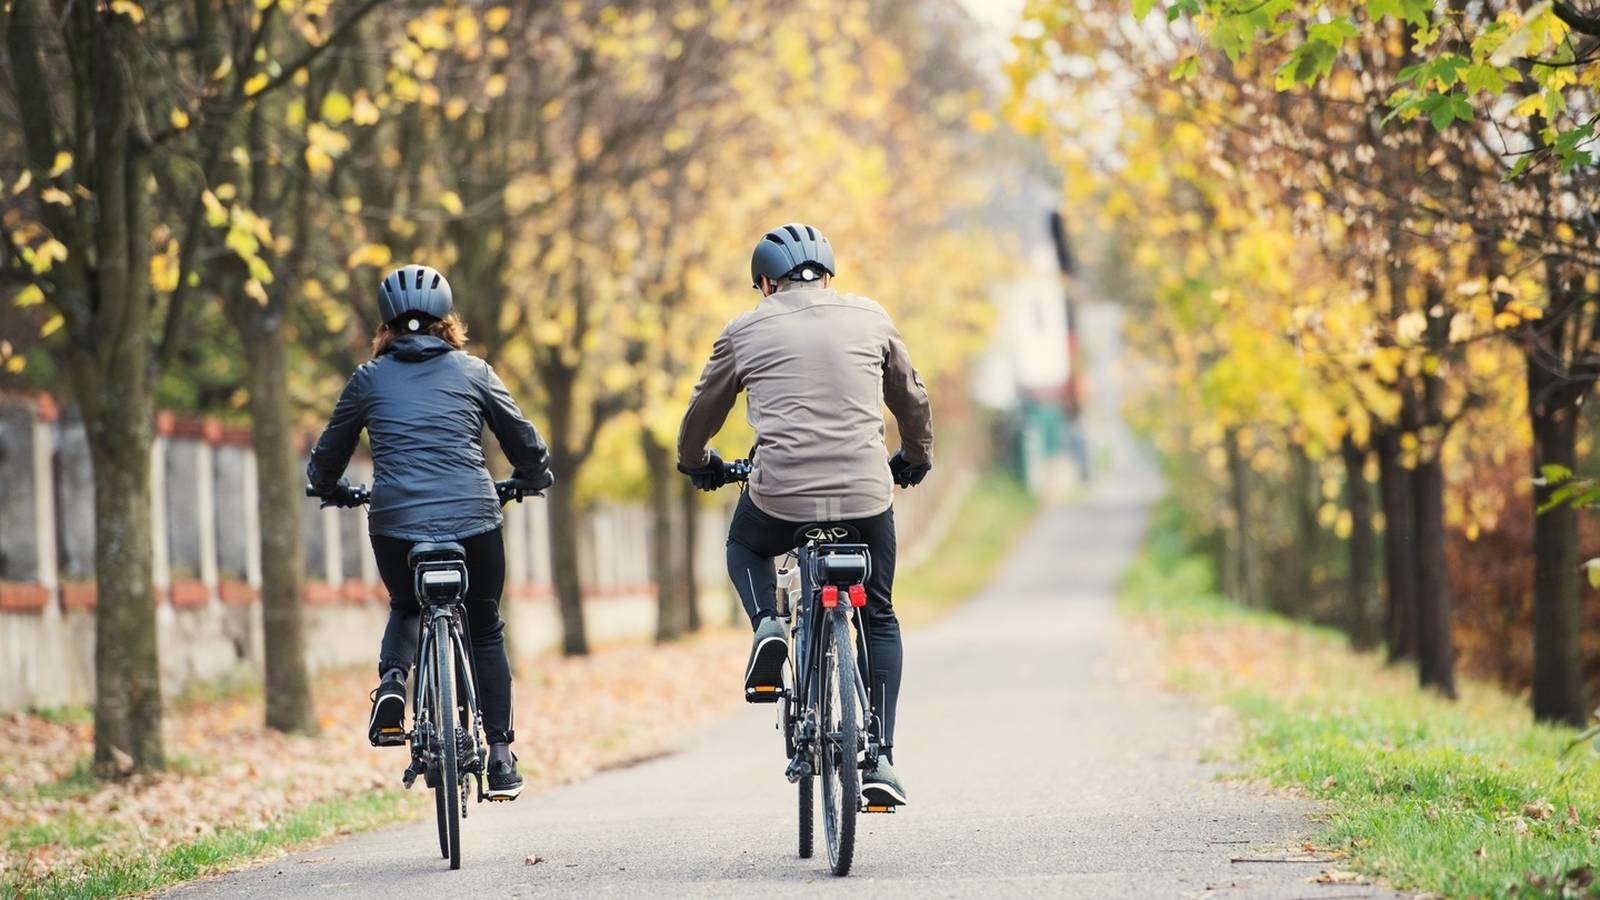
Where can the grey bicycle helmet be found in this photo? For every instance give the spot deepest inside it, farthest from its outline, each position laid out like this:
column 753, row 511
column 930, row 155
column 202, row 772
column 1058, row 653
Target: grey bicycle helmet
column 414, row 289
column 786, row 249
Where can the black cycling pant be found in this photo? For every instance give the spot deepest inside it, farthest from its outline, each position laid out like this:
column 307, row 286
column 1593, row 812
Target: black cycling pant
column 486, row 577
column 755, row 538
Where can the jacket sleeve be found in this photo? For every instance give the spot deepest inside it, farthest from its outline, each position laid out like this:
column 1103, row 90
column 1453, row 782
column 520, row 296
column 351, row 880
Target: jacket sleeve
column 710, row 403
column 907, row 398
column 332, row 451
column 524, row 448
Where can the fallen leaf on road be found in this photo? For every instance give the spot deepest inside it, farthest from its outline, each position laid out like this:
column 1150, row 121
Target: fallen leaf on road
column 1338, row 876
column 532, row 859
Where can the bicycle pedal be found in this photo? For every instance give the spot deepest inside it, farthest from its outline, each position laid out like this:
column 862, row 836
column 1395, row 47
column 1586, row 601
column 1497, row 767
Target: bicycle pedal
column 878, row 809
column 390, row 737
column 763, row 693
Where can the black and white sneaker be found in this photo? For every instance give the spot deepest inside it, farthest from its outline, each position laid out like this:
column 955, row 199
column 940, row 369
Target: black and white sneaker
column 387, row 727
column 880, row 786
column 504, row 782
column 763, row 678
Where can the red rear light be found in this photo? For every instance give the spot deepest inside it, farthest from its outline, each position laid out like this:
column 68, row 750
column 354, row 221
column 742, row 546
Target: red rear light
column 858, row 595
column 830, row 596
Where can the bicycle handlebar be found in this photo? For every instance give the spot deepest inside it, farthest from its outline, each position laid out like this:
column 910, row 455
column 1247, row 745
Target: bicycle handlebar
column 360, row 495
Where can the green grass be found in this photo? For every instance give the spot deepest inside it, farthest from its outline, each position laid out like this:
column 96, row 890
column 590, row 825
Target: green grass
column 1469, row 798
column 132, row 873
column 991, row 518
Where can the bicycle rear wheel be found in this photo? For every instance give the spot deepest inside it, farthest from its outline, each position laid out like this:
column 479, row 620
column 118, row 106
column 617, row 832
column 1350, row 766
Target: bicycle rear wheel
column 448, row 796
column 839, row 742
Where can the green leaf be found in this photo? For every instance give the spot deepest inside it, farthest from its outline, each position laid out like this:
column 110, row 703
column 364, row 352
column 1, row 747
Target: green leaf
column 1553, row 473
column 1141, row 8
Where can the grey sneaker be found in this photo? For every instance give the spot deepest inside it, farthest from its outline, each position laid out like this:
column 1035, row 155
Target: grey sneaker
column 763, row 679
column 880, row 786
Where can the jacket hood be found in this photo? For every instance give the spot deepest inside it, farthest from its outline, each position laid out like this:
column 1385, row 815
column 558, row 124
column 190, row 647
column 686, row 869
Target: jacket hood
column 418, row 347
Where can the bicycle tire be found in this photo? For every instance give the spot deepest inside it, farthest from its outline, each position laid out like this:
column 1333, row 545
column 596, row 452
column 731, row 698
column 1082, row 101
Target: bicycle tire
column 807, row 817
column 449, row 763
column 838, row 755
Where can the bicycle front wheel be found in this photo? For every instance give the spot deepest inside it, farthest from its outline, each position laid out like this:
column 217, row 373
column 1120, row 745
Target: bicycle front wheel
column 839, row 742
column 448, row 800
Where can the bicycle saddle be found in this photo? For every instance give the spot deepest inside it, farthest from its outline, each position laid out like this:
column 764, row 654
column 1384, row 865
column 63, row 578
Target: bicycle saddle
column 826, row 533
column 425, row 551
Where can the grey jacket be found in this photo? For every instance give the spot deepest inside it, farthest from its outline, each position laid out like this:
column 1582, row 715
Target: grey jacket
column 819, row 367
column 424, row 405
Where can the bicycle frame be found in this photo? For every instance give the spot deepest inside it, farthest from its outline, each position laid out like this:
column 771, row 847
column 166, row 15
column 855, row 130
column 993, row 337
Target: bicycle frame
column 807, row 621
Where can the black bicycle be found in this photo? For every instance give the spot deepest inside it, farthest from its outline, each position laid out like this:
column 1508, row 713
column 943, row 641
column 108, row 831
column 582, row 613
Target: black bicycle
column 448, row 748
column 830, row 724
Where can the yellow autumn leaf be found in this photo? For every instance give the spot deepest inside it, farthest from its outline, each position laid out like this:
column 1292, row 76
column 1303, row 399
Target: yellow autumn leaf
column 164, row 269
column 16, row 364
column 223, row 69
column 179, row 119
column 255, row 291
column 494, row 85
column 364, row 111
column 216, row 213
column 451, row 202
column 51, row 325
column 132, row 10
column 23, row 180
column 496, row 17
column 47, row 254
column 336, row 107
column 62, row 163
column 256, row 84
column 375, row 255
column 30, row 295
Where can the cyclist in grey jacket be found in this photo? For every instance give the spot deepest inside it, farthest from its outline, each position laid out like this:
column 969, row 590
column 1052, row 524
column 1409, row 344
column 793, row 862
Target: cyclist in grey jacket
column 818, row 367
column 424, row 403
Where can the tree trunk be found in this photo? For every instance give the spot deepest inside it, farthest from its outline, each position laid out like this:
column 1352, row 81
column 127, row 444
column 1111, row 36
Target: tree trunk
column 1361, row 619
column 113, row 382
column 127, row 672
column 1558, row 689
column 288, row 685
column 1399, row 550
column 1435, row 640
column 672, row 619
column 564, row 567
column 688, row 577
column 1305, row 495
column 1240, row 574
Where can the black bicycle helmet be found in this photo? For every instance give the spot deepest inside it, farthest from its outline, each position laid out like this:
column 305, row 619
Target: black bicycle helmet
column 414, row 289
column 793, row 246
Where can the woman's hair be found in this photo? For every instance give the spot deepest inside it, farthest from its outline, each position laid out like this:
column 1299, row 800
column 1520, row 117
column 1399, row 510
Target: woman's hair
column 449, row 329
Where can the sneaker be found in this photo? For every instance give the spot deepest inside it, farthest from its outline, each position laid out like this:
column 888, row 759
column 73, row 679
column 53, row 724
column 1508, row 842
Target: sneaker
column 880, row 786
column 387, row 726
column 763, row 680
column 504, row 782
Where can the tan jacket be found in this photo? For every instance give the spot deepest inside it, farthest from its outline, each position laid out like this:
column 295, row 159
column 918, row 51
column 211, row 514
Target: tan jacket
column 819, row 367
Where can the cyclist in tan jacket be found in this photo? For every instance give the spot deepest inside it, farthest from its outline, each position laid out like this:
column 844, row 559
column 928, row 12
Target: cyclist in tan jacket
column 819, row 367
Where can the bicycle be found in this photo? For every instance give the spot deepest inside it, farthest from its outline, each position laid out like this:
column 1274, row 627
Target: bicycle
column 821, row 588
column 446, row 765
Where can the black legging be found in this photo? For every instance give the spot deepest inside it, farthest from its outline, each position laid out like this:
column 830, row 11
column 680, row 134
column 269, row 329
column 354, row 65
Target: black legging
column 486, row 577
column 755, row 538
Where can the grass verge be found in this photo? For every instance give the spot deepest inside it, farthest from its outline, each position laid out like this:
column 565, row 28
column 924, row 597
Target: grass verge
column 131, row 873
column 1469, row 798
column 991, row 518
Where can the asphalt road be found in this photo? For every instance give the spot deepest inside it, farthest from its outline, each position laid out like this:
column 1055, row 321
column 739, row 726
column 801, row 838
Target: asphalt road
column 1040, row 757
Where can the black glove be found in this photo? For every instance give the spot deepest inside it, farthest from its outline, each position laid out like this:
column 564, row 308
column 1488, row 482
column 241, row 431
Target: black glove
column 904, row 473
column 709, row 477
column 341, row 495
column 517, row 488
